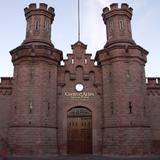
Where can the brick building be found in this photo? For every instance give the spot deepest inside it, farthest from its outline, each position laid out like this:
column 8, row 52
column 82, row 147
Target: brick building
column 104, row 105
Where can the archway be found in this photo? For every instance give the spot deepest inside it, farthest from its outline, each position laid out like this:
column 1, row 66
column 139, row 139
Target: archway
column 79, row 130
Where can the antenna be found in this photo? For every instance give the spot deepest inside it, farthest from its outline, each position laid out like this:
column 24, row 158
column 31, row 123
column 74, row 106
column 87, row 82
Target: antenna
column 78, row 20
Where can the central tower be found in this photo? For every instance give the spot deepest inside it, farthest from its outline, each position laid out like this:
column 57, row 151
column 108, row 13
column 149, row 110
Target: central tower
column 33, row 125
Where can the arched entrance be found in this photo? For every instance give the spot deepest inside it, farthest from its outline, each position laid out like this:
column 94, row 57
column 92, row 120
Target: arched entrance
column 79, row 131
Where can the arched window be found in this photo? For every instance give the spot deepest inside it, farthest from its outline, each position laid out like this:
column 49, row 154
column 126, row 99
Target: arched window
column 28, row 26
column 121, row 25
column 79, row 111
column 37, row 25
column 46, row 25
column 110, row 26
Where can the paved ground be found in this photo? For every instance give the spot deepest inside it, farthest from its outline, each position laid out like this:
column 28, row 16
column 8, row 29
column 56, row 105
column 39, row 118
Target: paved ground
column 85, row 157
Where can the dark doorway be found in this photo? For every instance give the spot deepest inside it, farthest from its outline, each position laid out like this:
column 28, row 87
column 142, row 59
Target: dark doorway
column 79, row 131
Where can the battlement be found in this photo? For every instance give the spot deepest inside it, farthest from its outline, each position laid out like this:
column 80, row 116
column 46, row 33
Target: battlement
column 114, row 6
column 153, row 86
column 153, row 82
column 42, row 6
column 6, row 86
column 6, row 81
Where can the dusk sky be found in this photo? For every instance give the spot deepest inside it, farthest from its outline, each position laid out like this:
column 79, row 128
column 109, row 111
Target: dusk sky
column 145, row 28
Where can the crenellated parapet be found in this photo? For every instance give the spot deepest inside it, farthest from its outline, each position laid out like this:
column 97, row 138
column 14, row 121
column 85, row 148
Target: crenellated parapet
column 115, row 9
column 6, row 85
column 42, row 9
column 153, row 86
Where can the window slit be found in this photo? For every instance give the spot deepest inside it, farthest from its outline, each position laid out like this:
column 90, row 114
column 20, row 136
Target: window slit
column 112, row 108
column 49, row 75
column 130, row 108
column 30, row 107
column 37, row 25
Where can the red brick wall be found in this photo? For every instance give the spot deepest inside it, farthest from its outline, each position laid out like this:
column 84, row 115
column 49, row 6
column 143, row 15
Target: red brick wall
column 33, row 140
column 153, row 107
column 4, row 115
column 5, row 103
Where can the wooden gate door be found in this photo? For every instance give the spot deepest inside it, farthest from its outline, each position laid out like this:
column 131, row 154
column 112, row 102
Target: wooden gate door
column 79, row 131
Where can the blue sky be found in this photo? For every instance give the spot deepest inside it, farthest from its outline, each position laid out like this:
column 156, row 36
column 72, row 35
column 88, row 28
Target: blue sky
column 145, row 28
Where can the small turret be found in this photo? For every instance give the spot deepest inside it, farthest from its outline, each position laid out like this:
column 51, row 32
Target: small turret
column 39, row 22
column 118, row 24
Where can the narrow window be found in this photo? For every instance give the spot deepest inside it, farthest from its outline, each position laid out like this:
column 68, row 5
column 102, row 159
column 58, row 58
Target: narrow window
column 48, row 106
column 128, row 74
column 30, row 107
column 28, row 26
column 72, row 61
column 48, row 109
column 37, row 25
column 121, row 25
column 130, row 108
column 46, row 25
column 110, row 26
column 144, row 110
column 110, row 76
column 15, row 109
column 85, row 61
column 49, row 75
column 112, row 108
column 129, row 26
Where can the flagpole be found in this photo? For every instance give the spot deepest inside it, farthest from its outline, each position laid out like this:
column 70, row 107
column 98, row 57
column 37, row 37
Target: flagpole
column 78, row 20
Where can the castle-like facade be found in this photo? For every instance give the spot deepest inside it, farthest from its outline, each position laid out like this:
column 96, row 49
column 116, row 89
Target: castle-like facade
column 100, row 106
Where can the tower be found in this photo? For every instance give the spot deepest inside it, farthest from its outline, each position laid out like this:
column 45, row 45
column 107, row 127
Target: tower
column 33, row 125
column 125, row 129
column 38, row 28
column 118, row 24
